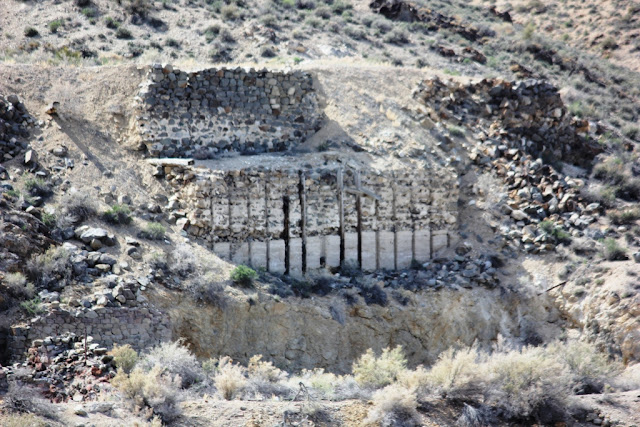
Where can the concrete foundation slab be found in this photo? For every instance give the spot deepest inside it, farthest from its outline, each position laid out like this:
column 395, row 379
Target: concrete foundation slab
column 314, row 252
column 351, row 248
column 295, row 256
column 222, row 249
column 258, row 251
column 276, row 256
column 404, row 249
column 422, row 245
column 369, row 250
column 386, row 250
column 440, row 241
column 332, row 251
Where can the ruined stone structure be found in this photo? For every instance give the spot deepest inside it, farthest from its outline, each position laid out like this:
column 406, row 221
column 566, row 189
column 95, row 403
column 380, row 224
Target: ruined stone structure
column 140, row 327
column 220, row 111
column 295, row 220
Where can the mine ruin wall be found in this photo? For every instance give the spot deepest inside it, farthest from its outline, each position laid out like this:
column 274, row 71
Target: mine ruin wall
column 139, row 327
column 298, row 220
column 218, row 111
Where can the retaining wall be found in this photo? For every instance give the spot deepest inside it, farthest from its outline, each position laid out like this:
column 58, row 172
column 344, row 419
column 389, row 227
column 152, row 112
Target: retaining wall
column 294, row 220
column 218, row 111
column 138, row 326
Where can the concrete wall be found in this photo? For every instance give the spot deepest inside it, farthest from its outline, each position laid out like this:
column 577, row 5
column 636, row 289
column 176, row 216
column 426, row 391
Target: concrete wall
column 296, row 220
column 219, row 111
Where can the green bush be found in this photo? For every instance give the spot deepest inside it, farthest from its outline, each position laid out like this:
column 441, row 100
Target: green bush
column 31, row 32
column 89, row 12
column 613, row 251
column 111, row 23
column 49, row 220
column 555, row 232
column 154, row 231
column 32, row 306
column 55, row 25
column 376, row 372
column 123, row 33
column 243, row 275
column 117, row 214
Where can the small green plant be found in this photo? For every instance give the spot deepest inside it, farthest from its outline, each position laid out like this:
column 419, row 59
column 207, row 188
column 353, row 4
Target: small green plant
column 123, row 33
column 117, row 214
column 32, row 306
column 243, row 275
column 528, row 31
column 154, row 231
column 211, row 32
column 172, row 43
column 613, row 251
column 31, row 32
column 49, row 220
column 54, row 26
column 456, row 131
column 89, row 12
column 111, row 23
column 555, row 232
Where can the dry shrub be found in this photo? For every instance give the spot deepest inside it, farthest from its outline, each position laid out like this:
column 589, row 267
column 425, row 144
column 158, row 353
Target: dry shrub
column 265, row 379
column 21, row 420
column 230, row 379
column 18, row 286
column 590, row 368
column 76, row 206
column 26, row 400
column 176, row 359
column 154, row 390
column 522, row 383
column 124, row 356
column 394, row 405
column 322, row 384
column 264, row 371
column 50, row 268
column 454, row 373
column 376, row 372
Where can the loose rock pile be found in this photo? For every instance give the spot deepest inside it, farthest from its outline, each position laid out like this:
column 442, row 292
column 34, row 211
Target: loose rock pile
column 14, row 120
column 412, row 12
column 527, row 115
column 68, row 367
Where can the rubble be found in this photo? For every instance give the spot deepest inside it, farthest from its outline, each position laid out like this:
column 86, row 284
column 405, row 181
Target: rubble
column 68, row 367
column 14, row 121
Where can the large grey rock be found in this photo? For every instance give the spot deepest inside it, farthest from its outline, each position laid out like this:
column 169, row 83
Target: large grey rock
column 93, row 233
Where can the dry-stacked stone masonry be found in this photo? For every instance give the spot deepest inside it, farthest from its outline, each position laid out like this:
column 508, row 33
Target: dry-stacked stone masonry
column 299, row 219
column 139, row 327
column 217, row 111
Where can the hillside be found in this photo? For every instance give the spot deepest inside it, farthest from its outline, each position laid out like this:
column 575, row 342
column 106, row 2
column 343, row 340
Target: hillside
column 319, row 213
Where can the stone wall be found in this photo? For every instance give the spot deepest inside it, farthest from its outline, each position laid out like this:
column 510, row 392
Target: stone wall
column 219, row 111
column 292, row 220
column 138, row 326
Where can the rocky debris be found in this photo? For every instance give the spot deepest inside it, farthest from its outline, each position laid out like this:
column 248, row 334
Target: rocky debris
column 401, row 10
column 69, row 367
column 528, row 115
column 505, row 15
column 52, row 108
column 22, row 235
column 14, row 122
